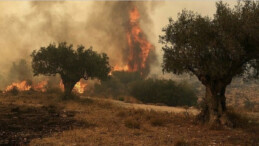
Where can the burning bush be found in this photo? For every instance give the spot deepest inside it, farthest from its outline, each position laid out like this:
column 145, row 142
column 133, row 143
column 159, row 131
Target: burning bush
column 163, row 91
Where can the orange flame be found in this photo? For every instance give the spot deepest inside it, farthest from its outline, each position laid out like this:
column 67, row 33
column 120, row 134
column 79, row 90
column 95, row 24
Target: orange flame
column 24, row 86
column 21, row 86
column 119, row 68
column 136, row 36
column 41, row 86
column 136, row 40
column 79, row 87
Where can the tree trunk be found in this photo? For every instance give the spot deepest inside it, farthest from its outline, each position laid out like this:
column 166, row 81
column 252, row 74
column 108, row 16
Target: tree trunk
column 68, row 87
column 214, row 109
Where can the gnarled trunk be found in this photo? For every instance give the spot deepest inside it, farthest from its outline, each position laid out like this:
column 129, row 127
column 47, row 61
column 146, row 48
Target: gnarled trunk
column 68, row 87
column 214, row 110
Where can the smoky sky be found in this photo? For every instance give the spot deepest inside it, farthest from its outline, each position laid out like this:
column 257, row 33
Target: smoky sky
column 26, row 26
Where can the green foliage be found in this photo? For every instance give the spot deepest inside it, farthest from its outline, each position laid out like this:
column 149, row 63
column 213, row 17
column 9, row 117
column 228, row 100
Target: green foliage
column 163, row 91
column 217, row 48
column 70, row 64
column 117, row 85
column 148, row 91
column 214, row 50
column 126, row 77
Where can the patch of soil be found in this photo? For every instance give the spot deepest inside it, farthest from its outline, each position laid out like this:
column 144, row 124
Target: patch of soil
column 20, row 124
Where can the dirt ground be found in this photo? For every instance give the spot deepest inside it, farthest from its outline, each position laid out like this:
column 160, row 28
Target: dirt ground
column 149, row 107
column 43, row 119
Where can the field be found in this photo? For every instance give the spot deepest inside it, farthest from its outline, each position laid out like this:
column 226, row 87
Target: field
column 43, row 119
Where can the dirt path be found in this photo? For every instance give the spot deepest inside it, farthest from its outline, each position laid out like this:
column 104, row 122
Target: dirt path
column 191, row 110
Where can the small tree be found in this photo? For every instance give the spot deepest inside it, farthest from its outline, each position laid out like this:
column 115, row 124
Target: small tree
column 215, row 50
column 71, row 65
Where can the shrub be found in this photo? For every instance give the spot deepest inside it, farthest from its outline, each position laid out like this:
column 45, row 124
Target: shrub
column 117, row 85
column 163, row 91
column 132, row 84
column 111, row 87
column 127, row 77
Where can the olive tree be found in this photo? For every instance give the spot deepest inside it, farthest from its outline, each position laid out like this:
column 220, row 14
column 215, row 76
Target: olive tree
column 215, row 50
column 72, row 65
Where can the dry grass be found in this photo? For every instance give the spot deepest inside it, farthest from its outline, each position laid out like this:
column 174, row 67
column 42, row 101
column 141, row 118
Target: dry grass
column 132, row 123
column 181, row 142
column 114, row 125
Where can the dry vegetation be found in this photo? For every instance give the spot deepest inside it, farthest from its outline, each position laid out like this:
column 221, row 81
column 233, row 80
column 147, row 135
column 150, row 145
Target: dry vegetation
column 244, row 96
column 43, row 119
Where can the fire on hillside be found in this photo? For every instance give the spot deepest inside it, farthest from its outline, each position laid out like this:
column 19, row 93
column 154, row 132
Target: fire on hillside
column 25, row 86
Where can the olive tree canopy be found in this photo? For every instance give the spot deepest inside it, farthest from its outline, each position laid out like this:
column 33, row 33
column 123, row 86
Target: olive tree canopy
column 70, row 64
column 215, row 50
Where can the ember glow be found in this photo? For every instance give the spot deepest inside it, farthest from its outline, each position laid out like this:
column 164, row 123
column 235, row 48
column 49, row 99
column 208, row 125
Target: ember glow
column 21, row 86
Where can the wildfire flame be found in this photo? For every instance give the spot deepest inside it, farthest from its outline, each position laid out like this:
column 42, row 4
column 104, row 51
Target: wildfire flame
column 136, row 40
column 40, row 86
column 79, row 87
column 119, row 68
column 24, row 86
column 139, row 47
column 21, row 86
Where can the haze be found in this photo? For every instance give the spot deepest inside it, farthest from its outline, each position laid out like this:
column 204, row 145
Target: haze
column 26, row 26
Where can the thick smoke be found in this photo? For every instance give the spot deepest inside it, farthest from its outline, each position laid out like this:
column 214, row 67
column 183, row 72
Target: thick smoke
column 26, row 26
